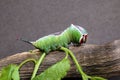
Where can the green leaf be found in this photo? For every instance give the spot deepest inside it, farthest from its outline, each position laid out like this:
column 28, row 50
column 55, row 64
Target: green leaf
column 15, row 74
column 10, row 72
column 55, row 72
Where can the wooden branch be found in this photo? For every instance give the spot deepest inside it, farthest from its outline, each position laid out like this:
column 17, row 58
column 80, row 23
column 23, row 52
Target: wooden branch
column 100, row 60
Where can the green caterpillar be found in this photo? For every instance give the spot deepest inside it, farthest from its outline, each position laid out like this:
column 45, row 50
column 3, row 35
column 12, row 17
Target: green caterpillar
column 73, row 34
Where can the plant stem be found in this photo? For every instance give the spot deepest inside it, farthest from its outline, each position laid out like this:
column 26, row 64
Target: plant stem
column 37, row 65
column 84, row 76
column 21, row 64
column 65, row 52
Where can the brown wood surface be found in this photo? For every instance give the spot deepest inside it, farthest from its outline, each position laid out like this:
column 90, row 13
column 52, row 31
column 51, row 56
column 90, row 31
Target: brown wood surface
column 101, row 60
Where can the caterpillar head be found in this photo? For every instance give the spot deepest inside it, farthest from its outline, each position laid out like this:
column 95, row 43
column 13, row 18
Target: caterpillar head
column 80, row 34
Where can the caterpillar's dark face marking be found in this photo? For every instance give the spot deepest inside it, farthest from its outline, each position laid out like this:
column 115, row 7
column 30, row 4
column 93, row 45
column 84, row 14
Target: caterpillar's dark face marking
column 84, row 39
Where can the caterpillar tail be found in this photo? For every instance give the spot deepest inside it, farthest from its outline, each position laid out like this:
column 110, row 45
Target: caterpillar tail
column 26, row 41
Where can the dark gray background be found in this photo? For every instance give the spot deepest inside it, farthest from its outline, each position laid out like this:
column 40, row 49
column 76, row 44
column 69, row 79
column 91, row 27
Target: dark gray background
column 32, row 19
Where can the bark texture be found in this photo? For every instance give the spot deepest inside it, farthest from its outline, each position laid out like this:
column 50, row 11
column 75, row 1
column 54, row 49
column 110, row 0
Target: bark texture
column 101, row 60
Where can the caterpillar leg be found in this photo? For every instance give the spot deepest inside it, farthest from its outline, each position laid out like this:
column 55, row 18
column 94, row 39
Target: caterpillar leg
column 53, row 47
column 66, row 45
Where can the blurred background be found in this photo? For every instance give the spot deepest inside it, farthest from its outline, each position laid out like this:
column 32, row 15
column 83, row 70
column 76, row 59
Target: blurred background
column 32, row 19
